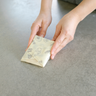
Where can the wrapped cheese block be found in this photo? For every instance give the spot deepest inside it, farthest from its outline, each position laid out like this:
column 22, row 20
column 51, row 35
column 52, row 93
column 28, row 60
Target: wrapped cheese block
column 38, row 53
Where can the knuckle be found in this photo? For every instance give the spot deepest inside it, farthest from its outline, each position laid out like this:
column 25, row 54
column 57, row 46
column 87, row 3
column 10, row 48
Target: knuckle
column 71, row 37
column 33, row 24
column 59, row 41
column 65, row 32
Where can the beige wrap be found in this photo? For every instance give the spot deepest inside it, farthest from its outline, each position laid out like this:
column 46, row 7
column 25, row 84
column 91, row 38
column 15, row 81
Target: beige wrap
column 38, row 52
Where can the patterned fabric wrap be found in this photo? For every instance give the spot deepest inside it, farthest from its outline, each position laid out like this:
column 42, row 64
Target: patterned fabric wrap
column 38, row 52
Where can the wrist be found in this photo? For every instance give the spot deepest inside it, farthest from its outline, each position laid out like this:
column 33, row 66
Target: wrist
column 75, row 17
column 46, row 12
column 46, row 6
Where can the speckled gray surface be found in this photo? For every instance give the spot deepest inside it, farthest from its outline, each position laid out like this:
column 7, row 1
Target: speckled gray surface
column 71, row 73
column 73, row 1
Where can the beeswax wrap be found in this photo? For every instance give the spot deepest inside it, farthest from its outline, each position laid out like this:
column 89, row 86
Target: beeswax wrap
column 38, row 52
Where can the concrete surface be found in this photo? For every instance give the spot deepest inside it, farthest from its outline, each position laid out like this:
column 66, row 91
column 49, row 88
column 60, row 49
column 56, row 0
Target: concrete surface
column 71, row 73
column 73, row 1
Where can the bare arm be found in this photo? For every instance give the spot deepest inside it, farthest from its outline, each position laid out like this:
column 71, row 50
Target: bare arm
column 42, row 22
column 46, row 6
column 66, row 27
column 84, row 8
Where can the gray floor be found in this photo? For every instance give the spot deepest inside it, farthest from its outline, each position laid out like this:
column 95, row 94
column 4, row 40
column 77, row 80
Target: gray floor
column 71, row 73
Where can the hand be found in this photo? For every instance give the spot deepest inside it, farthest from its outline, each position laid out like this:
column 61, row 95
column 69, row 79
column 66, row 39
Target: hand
column 65, row 31
column 40, row 25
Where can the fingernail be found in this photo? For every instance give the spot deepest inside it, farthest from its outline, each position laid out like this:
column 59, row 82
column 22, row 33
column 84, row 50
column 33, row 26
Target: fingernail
column 52, row 57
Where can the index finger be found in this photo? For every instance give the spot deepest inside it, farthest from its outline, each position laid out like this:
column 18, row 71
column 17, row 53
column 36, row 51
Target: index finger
column 57, row 43
column 34, row 30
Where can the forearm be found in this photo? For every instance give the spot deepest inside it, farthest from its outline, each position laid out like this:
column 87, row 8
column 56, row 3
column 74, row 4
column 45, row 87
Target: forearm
column 84, row 9
column 46, row 6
